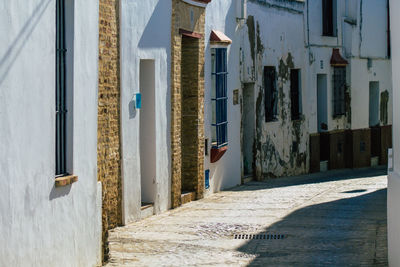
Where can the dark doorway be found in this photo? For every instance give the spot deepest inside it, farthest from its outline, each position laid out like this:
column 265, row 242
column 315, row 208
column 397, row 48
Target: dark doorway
column 190, row 113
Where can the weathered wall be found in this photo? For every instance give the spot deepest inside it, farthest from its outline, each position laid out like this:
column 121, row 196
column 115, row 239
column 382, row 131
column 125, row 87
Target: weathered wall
column 394, row 177
column 108, row 133
column 225, row 173
column 41, row 225
column 282, row 145
column 145, row 33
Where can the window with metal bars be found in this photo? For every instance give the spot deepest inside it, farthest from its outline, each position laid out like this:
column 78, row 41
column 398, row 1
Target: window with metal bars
column 219, row 97
column 339, row 90
column 61, row 107
column 328, row 17
column 295, row 94
column 271, row 94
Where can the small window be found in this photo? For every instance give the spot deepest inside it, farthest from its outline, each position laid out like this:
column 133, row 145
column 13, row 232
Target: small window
column 295, row 93
column 271, row 94
column 329, row 17
column 61, row 95
column 339, row 89
column 64, row 24
column 219, row 97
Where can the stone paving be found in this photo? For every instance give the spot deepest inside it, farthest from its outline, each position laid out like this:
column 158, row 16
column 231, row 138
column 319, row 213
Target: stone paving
column 336, row 218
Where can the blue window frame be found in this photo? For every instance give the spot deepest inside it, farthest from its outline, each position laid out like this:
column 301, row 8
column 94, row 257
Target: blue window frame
column 219, row 97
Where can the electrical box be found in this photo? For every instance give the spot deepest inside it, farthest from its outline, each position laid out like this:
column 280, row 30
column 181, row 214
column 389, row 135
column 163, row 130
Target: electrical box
column 138, row 101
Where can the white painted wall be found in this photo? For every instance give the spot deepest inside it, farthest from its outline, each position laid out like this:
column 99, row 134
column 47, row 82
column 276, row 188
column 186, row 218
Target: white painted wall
column 225, row 173
column 394, row 178
column 360, row 79
column 366, row 38
column 320, row 53
column 41, row 225
column 145, row 29
column 373, row 28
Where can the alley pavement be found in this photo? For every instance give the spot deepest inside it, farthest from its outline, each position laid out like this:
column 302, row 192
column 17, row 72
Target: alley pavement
column 336, row 218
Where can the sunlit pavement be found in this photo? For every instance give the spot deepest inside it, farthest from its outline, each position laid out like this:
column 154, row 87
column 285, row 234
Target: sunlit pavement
column 336, row 218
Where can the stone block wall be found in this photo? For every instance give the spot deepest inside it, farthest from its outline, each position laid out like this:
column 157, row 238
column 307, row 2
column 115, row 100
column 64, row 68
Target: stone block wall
column 108, row 134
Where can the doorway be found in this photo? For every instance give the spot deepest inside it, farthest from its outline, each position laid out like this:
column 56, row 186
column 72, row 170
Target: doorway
column 373, row 104
column 374, row 122
column 147, row 132
column 322, row 103
column 322, row 120
column 248, row 128
column 190, row 115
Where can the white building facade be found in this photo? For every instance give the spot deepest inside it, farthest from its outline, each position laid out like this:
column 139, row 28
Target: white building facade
column 145, row 40
column 47, row 221
column 394, row 162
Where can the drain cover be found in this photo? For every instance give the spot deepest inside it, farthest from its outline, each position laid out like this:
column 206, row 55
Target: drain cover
column 259, row 236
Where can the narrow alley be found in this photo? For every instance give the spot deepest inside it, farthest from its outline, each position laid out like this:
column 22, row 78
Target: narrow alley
column 336, row 218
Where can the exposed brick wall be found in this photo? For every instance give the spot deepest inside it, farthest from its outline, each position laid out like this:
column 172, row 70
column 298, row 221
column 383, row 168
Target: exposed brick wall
column 181, row 19
column 108, row 134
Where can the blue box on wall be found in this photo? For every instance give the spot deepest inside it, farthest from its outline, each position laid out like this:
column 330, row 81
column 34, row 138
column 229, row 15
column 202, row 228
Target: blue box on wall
column 207, row 179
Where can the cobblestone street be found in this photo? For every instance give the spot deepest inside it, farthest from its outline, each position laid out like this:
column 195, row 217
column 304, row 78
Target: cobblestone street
column 337, row 218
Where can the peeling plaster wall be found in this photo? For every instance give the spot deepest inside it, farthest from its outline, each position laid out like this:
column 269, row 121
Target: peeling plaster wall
column 269, row 42
column 225, row 173
column 41, row 225
column 145, row 34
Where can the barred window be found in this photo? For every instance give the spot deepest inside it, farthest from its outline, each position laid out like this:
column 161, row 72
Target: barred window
column 339, row 89
column 219, row 97
column 61, row 107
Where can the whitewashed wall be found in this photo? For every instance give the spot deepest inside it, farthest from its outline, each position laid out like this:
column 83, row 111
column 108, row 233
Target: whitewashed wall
column 225, row 173
column 145, row 34
column 41, row 225
column 394, row 177
column 367, row 40
column 320, row 53
column 361, row 34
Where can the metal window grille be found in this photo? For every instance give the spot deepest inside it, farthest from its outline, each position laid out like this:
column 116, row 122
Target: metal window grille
column 271, row 94
column 295, row 94
column 339, row 88
column 327, row 18
column 220, row 98
column 61, row 110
